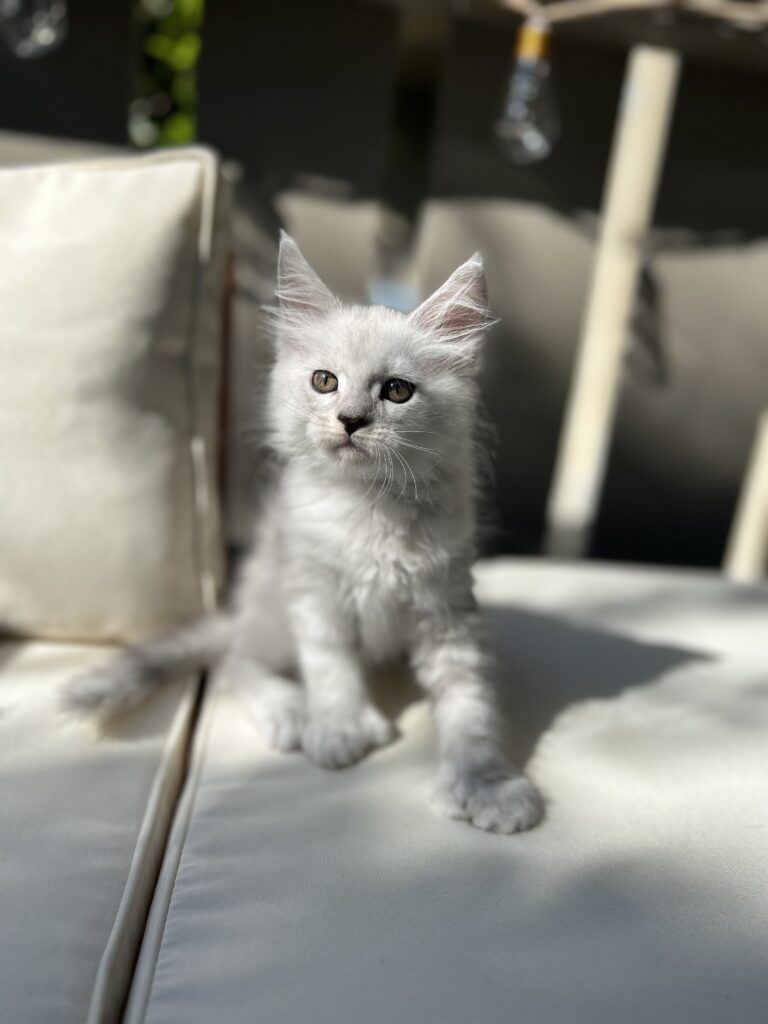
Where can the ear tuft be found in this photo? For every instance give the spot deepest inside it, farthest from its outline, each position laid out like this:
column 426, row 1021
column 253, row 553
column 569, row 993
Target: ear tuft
column 458, row 311
column 300, row 292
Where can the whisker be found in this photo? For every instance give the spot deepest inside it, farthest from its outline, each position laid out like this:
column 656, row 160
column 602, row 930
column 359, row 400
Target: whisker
column 421, row 448
column 374, row 481
column 395, row 454
column 391, row 474
column 382, row 488
column 406, row 465
column 413, row 477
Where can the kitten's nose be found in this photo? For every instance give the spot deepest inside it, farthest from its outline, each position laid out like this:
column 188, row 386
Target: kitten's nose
column 353, row 423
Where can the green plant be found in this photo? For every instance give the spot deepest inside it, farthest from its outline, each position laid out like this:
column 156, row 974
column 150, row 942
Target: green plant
column 164, row 109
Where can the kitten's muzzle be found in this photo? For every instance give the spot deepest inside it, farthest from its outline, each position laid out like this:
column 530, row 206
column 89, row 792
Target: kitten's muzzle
column 353, row 423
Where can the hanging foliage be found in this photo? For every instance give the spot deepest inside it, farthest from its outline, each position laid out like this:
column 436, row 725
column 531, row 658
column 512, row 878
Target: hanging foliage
column 164, row 110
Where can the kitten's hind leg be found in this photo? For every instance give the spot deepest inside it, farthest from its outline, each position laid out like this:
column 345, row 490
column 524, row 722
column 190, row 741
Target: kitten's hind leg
column 262, row 657
column 278, row 712
column 342, row 724
column 275, row 703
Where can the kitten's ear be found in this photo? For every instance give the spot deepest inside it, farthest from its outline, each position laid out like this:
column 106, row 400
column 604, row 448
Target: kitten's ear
column 300, row 292
column 458, row 311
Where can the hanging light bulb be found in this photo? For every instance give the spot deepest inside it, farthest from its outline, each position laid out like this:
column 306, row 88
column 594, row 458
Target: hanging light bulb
column 529, row 126
column 32, row 28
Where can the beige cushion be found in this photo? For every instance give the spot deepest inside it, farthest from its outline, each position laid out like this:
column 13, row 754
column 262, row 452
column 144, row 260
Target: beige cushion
column 83, row 823
column 110, row 285
column 291, row 894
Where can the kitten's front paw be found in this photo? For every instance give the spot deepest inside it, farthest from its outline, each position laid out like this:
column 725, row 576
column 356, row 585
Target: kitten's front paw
column 491, row 801
column 336, row 741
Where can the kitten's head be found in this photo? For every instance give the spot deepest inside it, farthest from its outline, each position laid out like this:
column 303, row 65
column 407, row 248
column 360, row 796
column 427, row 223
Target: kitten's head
column 369, row 391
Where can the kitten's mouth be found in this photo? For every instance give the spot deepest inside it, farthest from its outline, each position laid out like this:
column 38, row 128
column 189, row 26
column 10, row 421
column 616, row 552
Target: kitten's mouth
column 348, row 448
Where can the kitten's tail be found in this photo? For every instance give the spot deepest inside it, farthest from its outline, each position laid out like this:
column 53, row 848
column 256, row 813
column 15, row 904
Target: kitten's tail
column 137, row 671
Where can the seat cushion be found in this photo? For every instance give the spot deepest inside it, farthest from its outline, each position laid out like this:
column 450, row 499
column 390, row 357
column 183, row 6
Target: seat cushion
column 111, row 278
column 639, row 701
column 83, row 822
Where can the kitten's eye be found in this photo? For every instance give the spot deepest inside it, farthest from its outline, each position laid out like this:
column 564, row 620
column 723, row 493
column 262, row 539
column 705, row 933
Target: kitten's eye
column 397, row 390
column 324, row 381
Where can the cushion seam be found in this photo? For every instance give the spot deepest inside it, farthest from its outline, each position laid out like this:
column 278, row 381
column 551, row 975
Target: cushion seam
column 104, row 981
column 185, row 807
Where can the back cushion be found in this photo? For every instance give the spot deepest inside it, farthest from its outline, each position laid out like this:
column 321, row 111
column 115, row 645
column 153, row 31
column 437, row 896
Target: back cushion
column 108, row 382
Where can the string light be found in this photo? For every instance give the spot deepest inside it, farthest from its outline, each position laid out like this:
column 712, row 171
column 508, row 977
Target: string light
column 33, row 28
column 529, row 125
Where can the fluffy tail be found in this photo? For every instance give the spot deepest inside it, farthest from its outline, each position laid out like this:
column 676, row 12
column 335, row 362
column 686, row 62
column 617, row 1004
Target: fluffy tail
column 137, row 671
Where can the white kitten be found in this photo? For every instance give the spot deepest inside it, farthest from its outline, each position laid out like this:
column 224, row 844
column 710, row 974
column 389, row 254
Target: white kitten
column 364, row 545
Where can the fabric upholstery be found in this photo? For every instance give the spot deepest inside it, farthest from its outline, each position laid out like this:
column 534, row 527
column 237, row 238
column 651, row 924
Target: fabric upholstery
column 83, row 824
column 110, row 284
column 639, row 701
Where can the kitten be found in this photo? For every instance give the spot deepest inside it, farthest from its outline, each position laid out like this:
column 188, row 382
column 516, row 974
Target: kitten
column 364, row 547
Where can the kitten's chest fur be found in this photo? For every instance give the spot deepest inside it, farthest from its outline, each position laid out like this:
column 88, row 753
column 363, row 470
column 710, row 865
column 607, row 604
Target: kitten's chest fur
column 387, row 555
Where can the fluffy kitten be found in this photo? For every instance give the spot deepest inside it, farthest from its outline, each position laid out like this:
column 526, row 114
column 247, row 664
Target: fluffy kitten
column 364, row 546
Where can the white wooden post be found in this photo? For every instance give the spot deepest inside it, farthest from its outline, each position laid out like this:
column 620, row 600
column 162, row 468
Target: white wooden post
column 638, row 150
column 746, row 555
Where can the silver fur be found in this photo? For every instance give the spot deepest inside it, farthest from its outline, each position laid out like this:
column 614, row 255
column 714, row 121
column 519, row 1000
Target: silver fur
column 363, row 549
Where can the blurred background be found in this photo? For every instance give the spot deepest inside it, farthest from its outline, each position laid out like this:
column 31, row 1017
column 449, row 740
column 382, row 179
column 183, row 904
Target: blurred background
column 370, row 130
